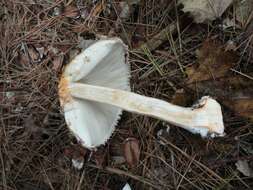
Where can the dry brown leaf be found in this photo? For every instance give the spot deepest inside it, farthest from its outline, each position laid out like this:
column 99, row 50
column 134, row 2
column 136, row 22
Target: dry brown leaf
column 181, row 98
column 204, row 10
column 214, row 62
column 213, row 77
column 132, row 151
column 235, row 92
column 243, row 106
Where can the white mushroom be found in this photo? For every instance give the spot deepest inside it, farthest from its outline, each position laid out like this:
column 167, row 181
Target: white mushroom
column 94, row 89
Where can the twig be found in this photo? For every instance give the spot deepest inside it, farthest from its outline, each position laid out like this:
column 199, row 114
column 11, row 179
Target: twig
column 219, row 163
column 3, row 172
column 199, row 164
column 159, row 38
column 121, row 172
column 243, row 74
column 81, row 181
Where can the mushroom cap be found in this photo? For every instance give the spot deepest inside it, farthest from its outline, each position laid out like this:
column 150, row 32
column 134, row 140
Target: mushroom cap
column 104, row 63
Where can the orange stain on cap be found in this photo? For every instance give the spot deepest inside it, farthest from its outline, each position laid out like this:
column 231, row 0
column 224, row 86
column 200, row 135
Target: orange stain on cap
column 64, row 93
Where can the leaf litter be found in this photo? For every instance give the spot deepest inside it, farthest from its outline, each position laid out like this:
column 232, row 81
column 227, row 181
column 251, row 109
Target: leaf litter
column 76, row 154
column 205, row 10
column 132, row 151
column 213, row 75
column 169, row 159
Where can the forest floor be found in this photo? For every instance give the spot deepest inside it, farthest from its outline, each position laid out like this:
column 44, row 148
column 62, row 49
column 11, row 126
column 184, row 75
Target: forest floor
column 172, row 57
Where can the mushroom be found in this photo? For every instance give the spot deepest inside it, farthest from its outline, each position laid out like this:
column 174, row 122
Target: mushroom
column 94, row 89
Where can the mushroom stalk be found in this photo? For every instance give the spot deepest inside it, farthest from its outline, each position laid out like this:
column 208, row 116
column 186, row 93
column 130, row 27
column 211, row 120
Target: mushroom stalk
column 203, row 118
column 94, row 90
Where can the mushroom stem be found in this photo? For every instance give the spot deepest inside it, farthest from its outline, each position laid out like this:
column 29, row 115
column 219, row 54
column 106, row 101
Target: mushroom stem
column 204, row 118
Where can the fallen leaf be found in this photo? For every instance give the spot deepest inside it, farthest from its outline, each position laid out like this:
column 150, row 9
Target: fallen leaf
column 235, row 92
column 243, row 9
column 204, row 10
column 213, row 76
column 214, row 62
column 240, row 99
column 243, row 167
column 132, row 151
column 180, row 98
